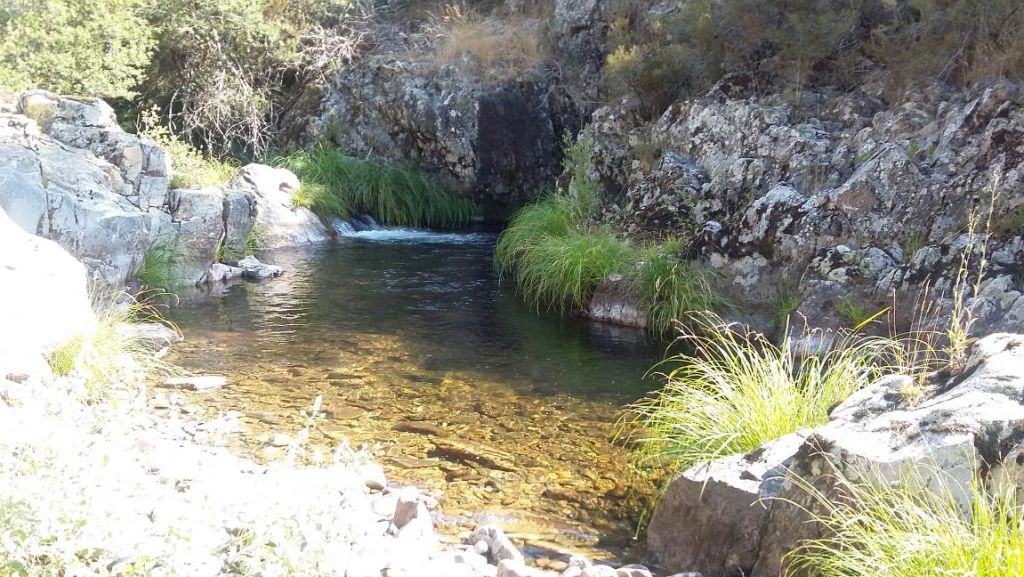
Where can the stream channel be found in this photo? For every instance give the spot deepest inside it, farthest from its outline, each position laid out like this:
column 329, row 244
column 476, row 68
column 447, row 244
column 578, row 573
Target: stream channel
column 456, row 386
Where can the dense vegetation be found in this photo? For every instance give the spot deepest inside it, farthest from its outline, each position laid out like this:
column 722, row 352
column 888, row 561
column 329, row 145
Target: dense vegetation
column 218, row 70
column 665, row 54
column 338, row 186
column 558, row 255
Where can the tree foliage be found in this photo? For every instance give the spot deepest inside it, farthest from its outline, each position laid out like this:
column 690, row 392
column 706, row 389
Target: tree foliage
column 86, row 47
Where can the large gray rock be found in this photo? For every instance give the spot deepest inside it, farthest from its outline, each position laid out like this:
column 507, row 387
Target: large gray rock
column 744, row 513
column 771, row 188
column 99, row 211
column 199, row 229
column 45, row 302
column 282, row 223
column 711, row 518
column 69, row 173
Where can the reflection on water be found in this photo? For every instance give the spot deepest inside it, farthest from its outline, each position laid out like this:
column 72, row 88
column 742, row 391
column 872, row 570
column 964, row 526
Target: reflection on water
column 504, row 414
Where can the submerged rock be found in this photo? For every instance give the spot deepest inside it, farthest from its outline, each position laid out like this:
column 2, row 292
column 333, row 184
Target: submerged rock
column 197, row 383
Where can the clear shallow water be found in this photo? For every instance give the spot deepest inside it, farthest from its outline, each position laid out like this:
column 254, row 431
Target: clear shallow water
column 457, row 386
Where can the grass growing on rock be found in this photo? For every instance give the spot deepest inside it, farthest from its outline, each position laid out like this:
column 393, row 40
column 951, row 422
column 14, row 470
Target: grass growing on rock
column 877, row 529
column 671, row 288
column 558, row 256
column 336, row 186
column 189, row 167
column 107, row 364
column 737, row 390
column 160, row 266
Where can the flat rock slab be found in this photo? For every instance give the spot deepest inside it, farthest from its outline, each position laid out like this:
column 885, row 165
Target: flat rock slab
column 198, row 383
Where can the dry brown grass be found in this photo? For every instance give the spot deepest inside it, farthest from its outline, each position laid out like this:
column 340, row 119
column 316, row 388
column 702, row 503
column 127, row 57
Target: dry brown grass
column 490, row 47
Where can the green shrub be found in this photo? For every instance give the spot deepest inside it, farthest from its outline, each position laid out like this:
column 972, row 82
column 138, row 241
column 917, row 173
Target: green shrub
column 335, row 185
column 84, row 47
column 221, row 67
column 737, row 390
column 902, row 529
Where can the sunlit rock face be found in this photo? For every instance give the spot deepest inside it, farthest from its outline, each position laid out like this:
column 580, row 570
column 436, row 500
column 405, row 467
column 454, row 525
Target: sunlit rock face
column 839, row 194
column 70, row 173
column 743, row 514
column 44, row 300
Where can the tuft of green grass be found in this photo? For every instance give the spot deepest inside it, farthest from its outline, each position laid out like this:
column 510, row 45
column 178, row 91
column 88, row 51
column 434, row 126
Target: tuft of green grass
column 565, row 271
column 853, row 312
column 159, row 267
column 671, row 288
column 787, row 301
column 559, row 257
column 550, row 216
column 737, row 390
column 902, row 529
column 336, row 186
column 256, row 240
column 109, row 363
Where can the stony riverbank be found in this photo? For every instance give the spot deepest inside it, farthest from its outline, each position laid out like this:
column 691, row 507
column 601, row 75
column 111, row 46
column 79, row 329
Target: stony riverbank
column 118, row 481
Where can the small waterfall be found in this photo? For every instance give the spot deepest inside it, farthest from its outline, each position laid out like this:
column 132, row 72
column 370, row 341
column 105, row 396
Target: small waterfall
column 342, row 227
column 358, row 223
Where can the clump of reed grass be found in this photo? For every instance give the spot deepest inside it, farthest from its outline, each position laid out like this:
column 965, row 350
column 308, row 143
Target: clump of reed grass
column 109, row 363
column 559, row 256
column 671, row 288
column 565, row 270
column 737, row 390
column 904, row 529
column 159, row 269
column 335, row 186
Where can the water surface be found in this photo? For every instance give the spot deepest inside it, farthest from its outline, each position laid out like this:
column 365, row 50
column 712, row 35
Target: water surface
column 421, row 355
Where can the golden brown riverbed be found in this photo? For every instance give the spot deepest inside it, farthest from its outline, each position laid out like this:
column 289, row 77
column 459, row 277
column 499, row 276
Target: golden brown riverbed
column 503, row 415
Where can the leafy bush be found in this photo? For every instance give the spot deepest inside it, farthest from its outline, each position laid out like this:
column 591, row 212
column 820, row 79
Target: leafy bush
column 878, row 529
column 222, row 66
column 335, row 185
column 660, row 55
column 737, row 390
column 86, row 47
column 957, row 40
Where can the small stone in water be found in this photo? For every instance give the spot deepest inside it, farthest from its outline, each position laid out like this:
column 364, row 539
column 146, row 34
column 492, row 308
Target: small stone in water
column 480, row 547
column 579, row 561
column 374, row 478
column 197, row 383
